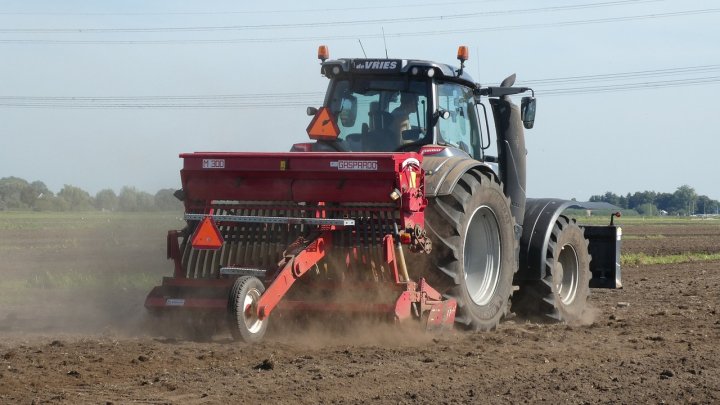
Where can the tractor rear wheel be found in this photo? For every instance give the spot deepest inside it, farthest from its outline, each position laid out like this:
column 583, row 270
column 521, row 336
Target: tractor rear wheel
column 243, row 320
column 475, row 249
column 562, row 294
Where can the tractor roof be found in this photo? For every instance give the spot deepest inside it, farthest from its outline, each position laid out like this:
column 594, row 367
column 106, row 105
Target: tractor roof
column 395, row 66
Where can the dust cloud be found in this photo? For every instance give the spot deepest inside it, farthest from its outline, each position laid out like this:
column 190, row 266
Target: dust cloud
column 588, row 317
column 323, row 331
column 89, row 276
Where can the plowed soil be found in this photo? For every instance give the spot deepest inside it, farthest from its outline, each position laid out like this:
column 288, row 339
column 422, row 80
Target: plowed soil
column 655, row 341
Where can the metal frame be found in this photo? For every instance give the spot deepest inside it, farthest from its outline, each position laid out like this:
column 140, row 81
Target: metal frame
column 272, row 220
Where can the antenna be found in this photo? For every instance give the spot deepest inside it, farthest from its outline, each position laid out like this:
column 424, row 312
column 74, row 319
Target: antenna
column 477, row 52
column 385, row 42
column 363, row 48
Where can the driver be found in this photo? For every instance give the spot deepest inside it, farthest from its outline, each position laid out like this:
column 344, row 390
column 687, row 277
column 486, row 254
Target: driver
column 401, row 115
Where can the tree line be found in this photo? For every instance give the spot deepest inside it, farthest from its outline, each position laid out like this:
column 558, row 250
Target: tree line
column 684, row 201
column 17, row 193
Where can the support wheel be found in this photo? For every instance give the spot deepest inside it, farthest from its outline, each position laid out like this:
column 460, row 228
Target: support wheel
column 475, row 249
column 562, row 294
column 242, row 310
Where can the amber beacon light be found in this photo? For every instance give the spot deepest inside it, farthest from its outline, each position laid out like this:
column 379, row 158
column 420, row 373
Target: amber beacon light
column 323, row 53
column 462, row 56
column 463, row 53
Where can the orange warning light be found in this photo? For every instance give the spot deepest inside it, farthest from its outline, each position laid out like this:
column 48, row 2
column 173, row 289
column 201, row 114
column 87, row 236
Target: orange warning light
column 323, row 126
column 323, row 53
column 207, row 235
column 463, row 53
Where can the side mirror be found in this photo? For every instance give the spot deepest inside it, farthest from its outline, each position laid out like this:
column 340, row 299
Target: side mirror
column 348, row 111
column 444, row 114
column 311, row 111
column 527, row 111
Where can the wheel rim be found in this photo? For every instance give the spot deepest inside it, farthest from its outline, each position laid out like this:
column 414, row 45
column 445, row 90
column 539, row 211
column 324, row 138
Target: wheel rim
column 481, row 255
column 568, row 269
column 250, row 316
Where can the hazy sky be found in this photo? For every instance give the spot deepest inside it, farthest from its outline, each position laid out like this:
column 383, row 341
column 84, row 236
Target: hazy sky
column 106, row 94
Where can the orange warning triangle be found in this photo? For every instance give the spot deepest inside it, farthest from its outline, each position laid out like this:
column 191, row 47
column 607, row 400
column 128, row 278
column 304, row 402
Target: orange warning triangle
column 207, row 235
column 323, row 126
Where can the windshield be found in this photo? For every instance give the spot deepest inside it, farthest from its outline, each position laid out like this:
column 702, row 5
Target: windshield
column 380, row 115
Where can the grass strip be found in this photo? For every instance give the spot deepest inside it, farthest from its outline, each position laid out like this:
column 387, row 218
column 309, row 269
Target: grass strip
column 82, row 280
column 15, row 291
column 638, row 220
column 642, row 237
column 31, row 220
column 638, row 259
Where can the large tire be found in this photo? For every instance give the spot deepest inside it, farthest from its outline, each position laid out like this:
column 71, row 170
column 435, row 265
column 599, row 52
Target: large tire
column 562, row 294
column 475, row 250
column 242, row 311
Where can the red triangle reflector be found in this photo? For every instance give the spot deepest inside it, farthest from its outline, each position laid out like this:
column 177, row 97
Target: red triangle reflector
column 207, row 235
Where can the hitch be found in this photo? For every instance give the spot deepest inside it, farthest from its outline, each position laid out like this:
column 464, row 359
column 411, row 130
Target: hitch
column 299, row 258
column 420, row 298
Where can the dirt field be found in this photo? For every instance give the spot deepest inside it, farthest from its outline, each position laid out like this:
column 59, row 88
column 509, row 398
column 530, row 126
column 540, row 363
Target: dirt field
column 71, row 331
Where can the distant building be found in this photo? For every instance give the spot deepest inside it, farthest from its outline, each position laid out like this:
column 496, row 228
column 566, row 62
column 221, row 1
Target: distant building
column 590, row 206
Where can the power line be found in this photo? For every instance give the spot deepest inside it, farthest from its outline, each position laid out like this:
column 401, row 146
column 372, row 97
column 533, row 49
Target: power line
column 250, row 12
column 312, row 95
column 104, row 106
column 623, row 75
column 250, row 96
column 318, row 23
column 629, row 86
column 189, row 102
column 361, row 36
column 563, row 23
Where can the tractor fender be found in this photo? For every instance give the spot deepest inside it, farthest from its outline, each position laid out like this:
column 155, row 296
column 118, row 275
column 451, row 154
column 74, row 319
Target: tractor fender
column 443, row 172
column 540, row 217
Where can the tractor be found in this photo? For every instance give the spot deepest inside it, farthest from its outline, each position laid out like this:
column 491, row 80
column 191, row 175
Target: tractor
column 395, row 208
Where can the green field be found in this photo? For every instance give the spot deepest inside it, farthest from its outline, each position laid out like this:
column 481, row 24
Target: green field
column 29, row 220
column 76, row 253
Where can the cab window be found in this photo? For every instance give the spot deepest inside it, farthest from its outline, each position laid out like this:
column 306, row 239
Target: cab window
column 460, row 129
column 380, row 114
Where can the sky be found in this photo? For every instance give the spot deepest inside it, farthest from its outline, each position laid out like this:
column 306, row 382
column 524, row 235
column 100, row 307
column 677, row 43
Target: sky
column 108, row 94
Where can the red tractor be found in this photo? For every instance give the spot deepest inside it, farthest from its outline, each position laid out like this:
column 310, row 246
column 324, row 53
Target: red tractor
column 394, row 209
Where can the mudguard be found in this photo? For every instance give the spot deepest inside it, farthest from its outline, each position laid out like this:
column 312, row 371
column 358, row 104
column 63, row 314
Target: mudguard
column 540, row 216
column 442, row 173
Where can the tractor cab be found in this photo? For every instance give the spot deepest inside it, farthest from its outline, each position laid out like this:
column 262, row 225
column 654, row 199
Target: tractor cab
column 395, row 105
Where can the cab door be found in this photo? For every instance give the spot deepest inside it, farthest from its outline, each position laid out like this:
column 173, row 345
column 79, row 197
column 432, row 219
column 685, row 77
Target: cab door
column 461, row 128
